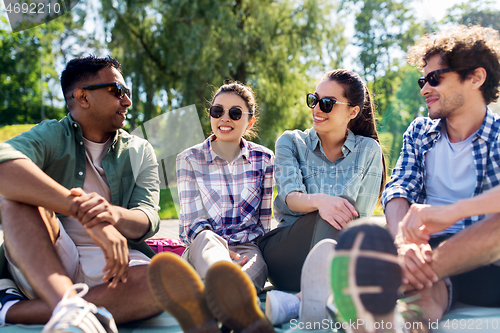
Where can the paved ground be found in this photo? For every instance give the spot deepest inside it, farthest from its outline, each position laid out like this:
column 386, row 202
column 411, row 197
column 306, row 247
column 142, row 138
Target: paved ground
column 170, row 228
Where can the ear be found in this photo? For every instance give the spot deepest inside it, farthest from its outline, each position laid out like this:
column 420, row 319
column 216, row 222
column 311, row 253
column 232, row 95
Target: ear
column 354, row 112
column 251, row 122
column 80, row 98
column 478, row 77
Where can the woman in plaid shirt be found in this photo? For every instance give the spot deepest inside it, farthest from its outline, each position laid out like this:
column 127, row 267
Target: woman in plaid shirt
column 225, row 188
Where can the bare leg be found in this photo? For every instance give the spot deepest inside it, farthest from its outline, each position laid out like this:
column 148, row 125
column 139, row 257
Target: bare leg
column 30, row 233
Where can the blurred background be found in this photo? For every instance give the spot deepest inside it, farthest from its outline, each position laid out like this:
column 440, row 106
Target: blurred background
column 174, row 53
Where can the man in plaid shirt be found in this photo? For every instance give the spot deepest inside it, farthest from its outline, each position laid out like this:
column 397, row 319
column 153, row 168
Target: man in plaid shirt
column 447, row 161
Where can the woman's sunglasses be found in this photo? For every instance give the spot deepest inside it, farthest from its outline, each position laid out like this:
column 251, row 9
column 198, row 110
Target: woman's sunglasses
column 120, row 89
column 325, row 104
column 433, row 77
column 234, row 113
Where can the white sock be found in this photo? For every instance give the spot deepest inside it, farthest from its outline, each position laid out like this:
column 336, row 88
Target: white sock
column 3, row 311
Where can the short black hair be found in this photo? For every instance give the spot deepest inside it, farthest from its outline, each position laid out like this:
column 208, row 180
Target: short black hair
column 84, row 68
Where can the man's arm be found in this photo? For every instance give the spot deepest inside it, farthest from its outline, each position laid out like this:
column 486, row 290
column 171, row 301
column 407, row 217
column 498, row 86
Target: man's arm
column 424, row 220
column 395, row 211
column 91, row 209
column 21, row 180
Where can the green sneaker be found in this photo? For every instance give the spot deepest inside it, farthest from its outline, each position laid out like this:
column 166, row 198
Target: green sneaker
column 365, row 273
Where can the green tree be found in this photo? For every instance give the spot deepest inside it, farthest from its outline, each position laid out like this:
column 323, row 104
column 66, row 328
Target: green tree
column 176, row 52
column 28, row 61
column 474, row 12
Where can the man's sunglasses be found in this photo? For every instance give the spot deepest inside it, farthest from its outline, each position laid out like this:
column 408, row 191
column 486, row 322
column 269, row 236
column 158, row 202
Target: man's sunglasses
column 325, row 104
column 433, row 77
column 120, row 89
column 234, row 113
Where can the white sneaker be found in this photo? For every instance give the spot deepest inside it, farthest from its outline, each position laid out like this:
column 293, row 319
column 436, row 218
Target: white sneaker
column 315, row 282
column 74, row 314
column 281, row 307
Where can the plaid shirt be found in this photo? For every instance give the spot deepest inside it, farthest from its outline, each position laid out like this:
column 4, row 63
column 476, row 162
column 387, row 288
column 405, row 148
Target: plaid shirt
column 232, row 199
column 408, row 176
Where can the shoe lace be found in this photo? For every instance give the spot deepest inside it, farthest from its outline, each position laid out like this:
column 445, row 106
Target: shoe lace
column 72, row 310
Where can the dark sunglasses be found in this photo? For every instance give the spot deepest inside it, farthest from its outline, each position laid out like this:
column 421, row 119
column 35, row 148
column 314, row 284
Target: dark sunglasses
column 325, row 104
column 120, row 89
column 433, row 77
column 234, row 113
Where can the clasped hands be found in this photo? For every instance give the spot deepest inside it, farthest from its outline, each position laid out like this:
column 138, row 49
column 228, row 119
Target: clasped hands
column 413, row 248
column 99, row 218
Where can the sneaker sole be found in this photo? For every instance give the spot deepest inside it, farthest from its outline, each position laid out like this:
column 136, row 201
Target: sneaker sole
column 315, row 282
column 179, row 290
column 365, row 273
column 232, row 298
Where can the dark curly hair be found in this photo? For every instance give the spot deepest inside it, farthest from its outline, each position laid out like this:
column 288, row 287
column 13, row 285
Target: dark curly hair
column 464, row 49
column 246, row 93
column 83, row 68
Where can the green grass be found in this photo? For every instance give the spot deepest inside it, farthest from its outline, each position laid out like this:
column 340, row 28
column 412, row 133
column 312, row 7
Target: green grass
column 167, row 207
column 10, row 131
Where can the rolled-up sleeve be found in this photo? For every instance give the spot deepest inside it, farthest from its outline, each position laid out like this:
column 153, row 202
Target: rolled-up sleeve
column 193, row 217
column 369, row 189
column 288, row 175
column 267, row 195
column 146, row 193
column 407, row 176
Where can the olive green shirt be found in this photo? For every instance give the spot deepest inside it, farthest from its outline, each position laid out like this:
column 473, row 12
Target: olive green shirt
column 130, row 165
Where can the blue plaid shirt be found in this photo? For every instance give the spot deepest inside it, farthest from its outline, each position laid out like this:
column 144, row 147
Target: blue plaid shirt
column 231, row 199
column 408, row 176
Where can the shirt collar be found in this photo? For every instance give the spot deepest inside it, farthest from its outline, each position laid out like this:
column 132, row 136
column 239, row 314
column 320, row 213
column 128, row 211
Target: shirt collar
column 211, row 155
column 349, row 142
column 486, row 128
column 76, row 125
column 483, row 132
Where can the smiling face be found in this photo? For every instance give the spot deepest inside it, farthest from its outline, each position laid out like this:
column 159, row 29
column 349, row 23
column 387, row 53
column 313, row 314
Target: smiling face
column 225, row 128
column 337, row 119
column 448, row 97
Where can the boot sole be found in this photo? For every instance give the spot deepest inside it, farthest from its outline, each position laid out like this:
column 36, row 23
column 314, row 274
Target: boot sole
column 178, row 289
column 232, row 298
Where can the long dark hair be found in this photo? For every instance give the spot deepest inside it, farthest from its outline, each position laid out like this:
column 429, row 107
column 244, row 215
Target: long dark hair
column 357, row 93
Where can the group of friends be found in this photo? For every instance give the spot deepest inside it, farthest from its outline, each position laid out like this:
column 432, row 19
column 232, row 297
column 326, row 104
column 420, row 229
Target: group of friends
column 75, row 211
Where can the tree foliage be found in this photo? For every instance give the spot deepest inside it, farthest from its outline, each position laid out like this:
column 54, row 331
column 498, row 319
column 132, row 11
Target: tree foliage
column 177, row 52
column 28, row 67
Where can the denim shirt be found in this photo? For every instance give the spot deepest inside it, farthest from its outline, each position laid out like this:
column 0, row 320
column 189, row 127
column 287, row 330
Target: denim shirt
column 58, row 149
column 302, row 165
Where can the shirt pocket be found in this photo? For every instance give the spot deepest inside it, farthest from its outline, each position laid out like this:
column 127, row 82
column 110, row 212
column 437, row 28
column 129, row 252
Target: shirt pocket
column 249, row 203
column 211, row 200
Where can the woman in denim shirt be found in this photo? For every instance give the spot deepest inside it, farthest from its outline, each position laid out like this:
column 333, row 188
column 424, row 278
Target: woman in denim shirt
column 326, row 175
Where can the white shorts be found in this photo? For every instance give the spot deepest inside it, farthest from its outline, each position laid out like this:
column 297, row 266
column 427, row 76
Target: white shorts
column 83, row 264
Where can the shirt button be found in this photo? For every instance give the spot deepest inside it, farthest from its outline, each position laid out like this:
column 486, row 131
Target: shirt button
column 81, row 143
column 81, row 173
column 75, row 125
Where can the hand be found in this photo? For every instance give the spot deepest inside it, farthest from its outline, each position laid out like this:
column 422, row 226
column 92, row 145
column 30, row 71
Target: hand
column 336, row 211
column 417, row 271
column 424, row 220
column 236, row 256
column 115, row 249
column 91, row 209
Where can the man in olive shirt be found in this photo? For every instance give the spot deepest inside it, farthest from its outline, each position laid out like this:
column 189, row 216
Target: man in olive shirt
column 103, row 183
